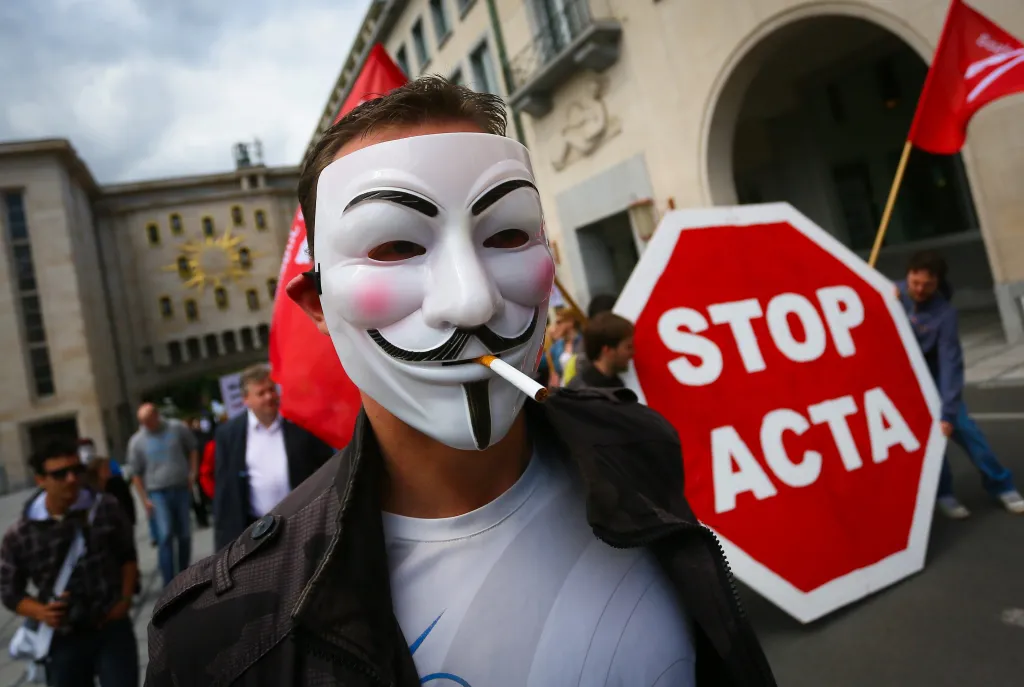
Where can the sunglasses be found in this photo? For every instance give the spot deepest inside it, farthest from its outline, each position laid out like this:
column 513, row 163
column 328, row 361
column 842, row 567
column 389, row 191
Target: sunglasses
column 61, row 474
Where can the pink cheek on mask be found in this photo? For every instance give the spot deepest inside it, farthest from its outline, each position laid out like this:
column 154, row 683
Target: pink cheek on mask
column 372, row 302
column 545, row 277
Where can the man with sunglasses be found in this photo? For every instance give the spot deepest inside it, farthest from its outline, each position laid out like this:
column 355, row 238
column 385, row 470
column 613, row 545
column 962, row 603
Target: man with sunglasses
column 92, row 631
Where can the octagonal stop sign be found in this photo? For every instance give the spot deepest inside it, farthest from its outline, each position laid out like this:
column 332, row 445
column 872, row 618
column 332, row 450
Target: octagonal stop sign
column 807, row 415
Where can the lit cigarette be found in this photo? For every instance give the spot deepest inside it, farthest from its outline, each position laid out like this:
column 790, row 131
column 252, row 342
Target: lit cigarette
column 514, row 377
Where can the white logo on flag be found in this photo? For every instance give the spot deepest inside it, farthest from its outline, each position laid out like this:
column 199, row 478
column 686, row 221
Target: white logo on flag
column 1004, row 59
column 302, row 254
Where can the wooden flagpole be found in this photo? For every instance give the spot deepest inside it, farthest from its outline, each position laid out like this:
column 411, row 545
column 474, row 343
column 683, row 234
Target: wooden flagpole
column 569, row 299
column 889, row 204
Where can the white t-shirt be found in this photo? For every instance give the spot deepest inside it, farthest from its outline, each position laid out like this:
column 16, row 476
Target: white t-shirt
column 521, row 593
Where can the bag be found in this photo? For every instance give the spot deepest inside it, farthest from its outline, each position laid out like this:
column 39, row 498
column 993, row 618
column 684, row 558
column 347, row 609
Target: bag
column 32, row 640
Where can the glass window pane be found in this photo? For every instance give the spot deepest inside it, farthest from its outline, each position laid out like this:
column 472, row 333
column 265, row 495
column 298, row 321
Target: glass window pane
column 24, row 271
column 16, row 226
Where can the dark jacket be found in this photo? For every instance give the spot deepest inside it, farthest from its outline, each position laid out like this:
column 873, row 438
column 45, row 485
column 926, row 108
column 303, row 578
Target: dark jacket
column 231, row 511
column 303, row 597
column 938, row 333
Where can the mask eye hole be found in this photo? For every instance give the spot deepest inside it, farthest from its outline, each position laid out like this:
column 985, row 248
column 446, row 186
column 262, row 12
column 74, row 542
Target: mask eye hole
column 396, row 251
column 508, row 238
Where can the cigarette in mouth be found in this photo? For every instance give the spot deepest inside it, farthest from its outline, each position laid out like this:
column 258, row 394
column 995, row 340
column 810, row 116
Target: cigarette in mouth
column 514, row 377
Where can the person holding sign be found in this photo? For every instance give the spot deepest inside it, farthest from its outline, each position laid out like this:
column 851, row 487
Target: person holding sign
column 925, row 294
column 479, row 529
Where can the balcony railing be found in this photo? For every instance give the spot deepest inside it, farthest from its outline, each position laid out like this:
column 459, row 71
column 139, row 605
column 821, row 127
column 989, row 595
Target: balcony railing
column 570, row 38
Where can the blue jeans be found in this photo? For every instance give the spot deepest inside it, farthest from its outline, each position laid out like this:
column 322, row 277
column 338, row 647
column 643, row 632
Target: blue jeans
column 109, row 653
column 172, row 511
column 996, row 478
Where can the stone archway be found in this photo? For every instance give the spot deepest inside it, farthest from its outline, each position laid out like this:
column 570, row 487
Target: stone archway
column 814, row 110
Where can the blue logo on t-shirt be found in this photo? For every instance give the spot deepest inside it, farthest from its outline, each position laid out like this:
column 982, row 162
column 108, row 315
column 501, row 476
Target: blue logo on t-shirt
column 434, row 677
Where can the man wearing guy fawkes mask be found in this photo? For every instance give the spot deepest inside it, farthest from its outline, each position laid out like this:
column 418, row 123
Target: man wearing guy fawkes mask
column 467, row 535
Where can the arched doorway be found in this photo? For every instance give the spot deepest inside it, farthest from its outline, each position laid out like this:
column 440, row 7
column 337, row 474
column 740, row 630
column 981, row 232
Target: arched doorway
column 815, row 113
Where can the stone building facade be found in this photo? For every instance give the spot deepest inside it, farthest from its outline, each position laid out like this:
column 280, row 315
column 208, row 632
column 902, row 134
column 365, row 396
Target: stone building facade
column 116, row 291
column 630, row 108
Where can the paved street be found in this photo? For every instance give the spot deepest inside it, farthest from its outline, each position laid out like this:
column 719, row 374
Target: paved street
column 960, row 622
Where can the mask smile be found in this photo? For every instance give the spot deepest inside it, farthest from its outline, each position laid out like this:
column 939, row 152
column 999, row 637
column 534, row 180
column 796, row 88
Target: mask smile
column 448, row 353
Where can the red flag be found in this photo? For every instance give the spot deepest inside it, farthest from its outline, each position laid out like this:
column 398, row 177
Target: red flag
column 975, row 63
column 315, row 391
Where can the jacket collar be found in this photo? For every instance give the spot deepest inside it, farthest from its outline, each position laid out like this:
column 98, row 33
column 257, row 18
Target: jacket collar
column 623, row 512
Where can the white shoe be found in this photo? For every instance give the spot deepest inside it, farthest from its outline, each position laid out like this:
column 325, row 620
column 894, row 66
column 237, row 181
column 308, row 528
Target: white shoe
column 953, row 509
column 1013, row 502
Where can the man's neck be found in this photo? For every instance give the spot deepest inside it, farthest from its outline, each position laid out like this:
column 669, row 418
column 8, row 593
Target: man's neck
column 427, row 479
column 57, row 509
column 265, row 419
column 605, row 368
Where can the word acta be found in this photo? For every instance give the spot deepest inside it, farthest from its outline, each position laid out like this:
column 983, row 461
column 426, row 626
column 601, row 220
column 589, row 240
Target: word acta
column 886, row 428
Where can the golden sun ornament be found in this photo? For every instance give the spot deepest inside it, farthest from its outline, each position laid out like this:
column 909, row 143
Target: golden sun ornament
column 212, row 261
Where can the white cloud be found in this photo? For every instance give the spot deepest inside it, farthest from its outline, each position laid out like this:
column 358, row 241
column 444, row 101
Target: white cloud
column 144, row 91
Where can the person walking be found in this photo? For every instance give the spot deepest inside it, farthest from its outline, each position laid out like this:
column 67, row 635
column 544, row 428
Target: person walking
column 608, row 343
column 925, row 294
column 75, row 546
column 259, row 458
column 165, row 462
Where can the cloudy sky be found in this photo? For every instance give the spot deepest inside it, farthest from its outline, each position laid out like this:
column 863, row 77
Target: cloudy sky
column 150, row 88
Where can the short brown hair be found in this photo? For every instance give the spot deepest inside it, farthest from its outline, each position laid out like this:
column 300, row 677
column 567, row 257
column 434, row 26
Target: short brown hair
column 604, row 329
column 426, row 99
column 253, row 375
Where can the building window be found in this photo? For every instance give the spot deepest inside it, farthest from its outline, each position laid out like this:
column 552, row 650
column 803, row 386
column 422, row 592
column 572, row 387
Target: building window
column 464, row 6
column 194, row 350
column 263, row 333
column 191, row 310
column 402, row 60
column 271, row 288
column 237, row 217
column 244, row 258
column 252, row 299
column 419, row 43
column 32, row 317
column 174, row 352
column 24, row 271
column 457, row 78
column 153, row 234
column 166, row 309
column 440, row 17
column 176, row 226
column 230, row 344
column 184, row 268
column 248, row 343
column 26, row 294
column 42, row 372
column 17, row 226
column 482, row 66
column 212, row 345
column 220, row 297
column 208, row 227
column 261, row 220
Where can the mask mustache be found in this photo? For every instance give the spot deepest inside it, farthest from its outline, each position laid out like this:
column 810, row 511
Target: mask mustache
column 450, row 350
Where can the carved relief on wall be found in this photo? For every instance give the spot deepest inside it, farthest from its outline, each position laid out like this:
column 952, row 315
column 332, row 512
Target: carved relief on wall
column 588, row 124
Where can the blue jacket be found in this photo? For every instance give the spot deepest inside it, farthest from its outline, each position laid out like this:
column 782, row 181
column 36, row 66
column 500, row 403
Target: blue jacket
column 938, row 334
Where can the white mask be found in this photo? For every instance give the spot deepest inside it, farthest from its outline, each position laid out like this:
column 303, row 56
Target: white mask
column 431, row 251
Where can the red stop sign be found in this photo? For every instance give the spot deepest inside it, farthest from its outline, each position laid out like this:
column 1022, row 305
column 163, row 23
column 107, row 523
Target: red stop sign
column 807, row 415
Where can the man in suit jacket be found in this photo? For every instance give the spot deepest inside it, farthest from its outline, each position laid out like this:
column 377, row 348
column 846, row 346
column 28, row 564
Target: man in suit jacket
column 259, row 458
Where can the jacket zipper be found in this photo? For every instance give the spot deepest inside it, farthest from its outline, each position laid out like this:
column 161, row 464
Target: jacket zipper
column 730, row 578
column 323, row 650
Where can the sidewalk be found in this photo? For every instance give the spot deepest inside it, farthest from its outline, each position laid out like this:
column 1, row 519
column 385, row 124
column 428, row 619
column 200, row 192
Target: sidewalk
column 12, row 672
column 988, row 359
